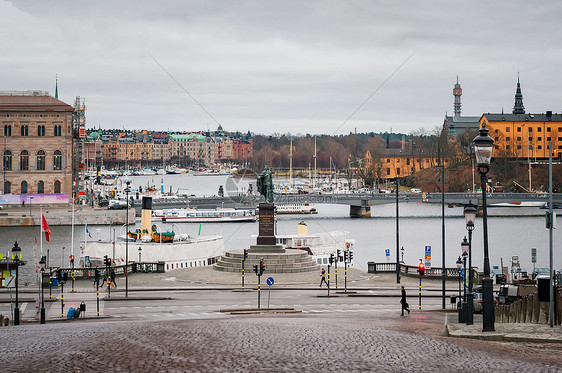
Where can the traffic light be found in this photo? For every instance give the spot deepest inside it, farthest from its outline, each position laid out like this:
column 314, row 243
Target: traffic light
column 65, row 276
column 105, row 260
column 350, row 256
column 331, row 259
column 245, row 254
column 256, row 269
column 421, row 269
column 338, row 255
column 345, row 256
column 72, row 259
column 262, row 266
column 109, row 262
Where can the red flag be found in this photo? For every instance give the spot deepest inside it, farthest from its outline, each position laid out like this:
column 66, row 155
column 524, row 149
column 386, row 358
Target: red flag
column 46, row 228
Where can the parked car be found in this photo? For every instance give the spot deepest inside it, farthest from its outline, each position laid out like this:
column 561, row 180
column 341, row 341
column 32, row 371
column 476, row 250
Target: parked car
column 477, row 299
column 540, row 271
column 103, row 202
column 115, row 204
column 415, row 190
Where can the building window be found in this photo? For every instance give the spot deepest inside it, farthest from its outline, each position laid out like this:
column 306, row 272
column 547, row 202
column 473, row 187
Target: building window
column 508, row 139
column 518, row 129
column 496, row 147
column 519, row 138
column 559, row 129
column 547, row 129
column 57, row 160
column 24, row 160
column 7, row 187
column 388, row 160
column 41, row 187
column 539, row 129
column 57, row 187
column 388, row 171
column 23, row 187
column 530, row 138
column 548, row 138
column 508, row 147
column 58, row 130
column 530, row 129
column 7, row 130
column 41, row 160
column 539, row 147
column 507, row 129
column 496, row 139
column 539, row 138
column 24, row 130
column 8, row 160
column 518, row 146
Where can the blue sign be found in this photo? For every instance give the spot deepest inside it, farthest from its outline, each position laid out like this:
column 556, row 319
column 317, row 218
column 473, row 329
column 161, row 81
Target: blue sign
column 427, row 256
column 387, row 252
column 270, row 281
column 462, row 272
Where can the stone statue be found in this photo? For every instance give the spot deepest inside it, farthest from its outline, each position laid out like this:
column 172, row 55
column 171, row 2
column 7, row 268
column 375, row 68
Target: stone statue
column 265, row 185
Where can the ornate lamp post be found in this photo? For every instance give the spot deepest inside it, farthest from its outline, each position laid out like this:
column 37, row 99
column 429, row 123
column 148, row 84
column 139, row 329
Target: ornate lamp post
column 470, row 217
column 483, row 146
column 43, row 262
column 16, row 253
column 402, row 252
column 127, row 190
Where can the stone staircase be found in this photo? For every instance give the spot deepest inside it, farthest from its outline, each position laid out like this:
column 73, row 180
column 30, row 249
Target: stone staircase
column 291, row 261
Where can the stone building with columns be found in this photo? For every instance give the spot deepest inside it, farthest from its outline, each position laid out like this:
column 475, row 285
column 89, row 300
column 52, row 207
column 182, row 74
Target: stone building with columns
column 37, row 141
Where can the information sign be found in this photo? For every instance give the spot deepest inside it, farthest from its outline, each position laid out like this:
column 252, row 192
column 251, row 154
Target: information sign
column 427, row 256
column 270, row 281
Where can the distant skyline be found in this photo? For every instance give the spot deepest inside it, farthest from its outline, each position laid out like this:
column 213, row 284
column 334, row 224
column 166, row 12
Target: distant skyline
column 284, row 66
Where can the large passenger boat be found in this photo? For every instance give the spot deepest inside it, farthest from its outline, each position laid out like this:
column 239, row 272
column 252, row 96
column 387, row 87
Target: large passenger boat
column 190, row 215
column 175, row 250
column 295, row 208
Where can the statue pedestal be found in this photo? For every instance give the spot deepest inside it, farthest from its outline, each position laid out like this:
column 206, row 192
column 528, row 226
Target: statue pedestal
column 266, row 242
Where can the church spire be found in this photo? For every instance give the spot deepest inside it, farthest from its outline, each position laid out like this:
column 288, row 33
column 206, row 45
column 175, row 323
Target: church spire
column 518, row 108
column 457, row 92
column 56, row 86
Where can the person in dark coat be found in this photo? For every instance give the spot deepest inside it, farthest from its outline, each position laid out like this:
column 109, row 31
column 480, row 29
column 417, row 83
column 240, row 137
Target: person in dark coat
column 323, row 275
column 405, row 305
column 112, row 277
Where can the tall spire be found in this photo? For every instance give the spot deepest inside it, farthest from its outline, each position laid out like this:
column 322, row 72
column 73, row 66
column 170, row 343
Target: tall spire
column 457, row 92
column 56, row 86
column 518, row 108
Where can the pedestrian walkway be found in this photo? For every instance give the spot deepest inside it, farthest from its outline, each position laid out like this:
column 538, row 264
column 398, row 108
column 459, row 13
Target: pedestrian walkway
column 506, row 332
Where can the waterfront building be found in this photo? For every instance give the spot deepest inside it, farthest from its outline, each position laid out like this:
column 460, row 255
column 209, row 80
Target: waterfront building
column 524, row 135
column 37, row 132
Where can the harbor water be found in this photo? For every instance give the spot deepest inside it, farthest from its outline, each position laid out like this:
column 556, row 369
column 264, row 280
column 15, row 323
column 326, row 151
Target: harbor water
column 420, row 225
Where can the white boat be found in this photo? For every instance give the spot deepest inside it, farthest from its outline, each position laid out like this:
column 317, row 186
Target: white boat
column 320, row 246
column 182, row 251
column 295, row 208
column 189, row 215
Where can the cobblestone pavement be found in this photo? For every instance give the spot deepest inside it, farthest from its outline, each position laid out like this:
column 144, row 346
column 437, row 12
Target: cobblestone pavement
column 264, row 343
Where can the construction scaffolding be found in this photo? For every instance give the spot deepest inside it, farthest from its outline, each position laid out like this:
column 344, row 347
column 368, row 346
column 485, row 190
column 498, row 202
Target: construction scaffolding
column 79, row 163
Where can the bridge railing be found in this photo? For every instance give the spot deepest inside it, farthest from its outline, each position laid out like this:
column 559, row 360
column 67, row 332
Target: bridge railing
column 409, row 270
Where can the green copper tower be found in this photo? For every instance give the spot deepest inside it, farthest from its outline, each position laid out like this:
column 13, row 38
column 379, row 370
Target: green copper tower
column 518, row 108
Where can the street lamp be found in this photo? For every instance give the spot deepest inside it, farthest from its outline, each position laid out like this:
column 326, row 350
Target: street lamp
column 470, row 217
column 127, row 190
column 43, row 262
column 459, row 267
column 16, row 254
column 483, row 146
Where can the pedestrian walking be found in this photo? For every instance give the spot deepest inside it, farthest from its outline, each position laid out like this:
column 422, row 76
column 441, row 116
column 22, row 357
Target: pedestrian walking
column 104, row 278
column 112, row 276
column 96, row 276
column 405, row 305
column 323, row 280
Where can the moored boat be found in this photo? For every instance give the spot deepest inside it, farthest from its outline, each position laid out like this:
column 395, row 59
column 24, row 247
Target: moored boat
column 189, row 215
column 295, row 208
column 174, row 250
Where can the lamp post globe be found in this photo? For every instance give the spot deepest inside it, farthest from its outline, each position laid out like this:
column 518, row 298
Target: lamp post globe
column 459, row 267
column 16, row 251
column 483, row 147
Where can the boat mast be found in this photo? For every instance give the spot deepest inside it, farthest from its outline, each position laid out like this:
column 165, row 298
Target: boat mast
column 314, row 183
column 291, row 164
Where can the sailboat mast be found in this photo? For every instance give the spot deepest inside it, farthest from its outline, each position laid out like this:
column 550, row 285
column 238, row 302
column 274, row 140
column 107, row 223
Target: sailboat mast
column 291, row 164
column 314, row 183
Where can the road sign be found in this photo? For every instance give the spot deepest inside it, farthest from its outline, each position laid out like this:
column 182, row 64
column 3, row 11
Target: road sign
column 387, row 252
column 270, row 281
column 515, row 261
column 427, row 256
column 533, row 255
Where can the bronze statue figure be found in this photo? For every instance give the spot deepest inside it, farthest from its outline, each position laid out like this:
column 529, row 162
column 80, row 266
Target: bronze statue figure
column 265, row 185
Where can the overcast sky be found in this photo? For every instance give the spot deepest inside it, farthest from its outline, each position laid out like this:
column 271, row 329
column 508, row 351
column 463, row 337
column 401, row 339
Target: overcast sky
column 284, row 66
